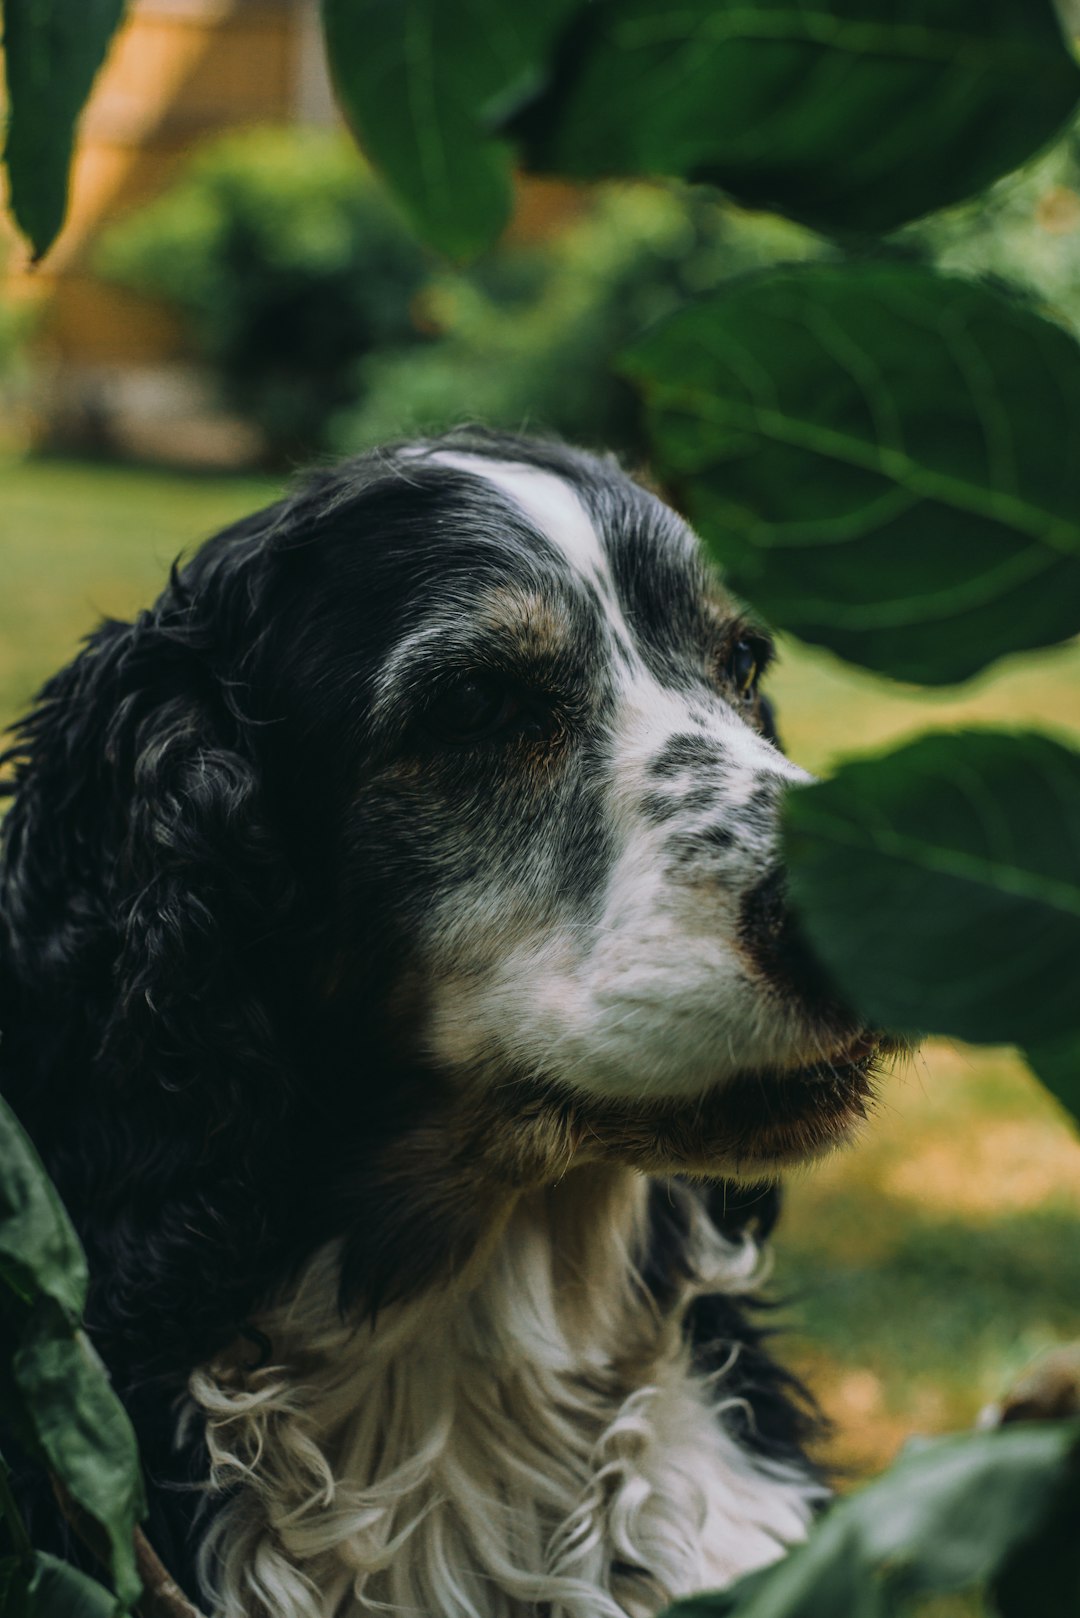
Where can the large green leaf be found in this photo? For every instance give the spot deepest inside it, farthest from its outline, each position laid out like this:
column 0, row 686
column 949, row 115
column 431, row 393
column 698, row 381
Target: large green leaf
column 842, row 113
column 49, row 1588
column 880, row 457
column 946, row 1516
column 12, row 1581
column 52, row 50
column 39, row 1251
column 424, row 84
column 82, row 1432
column 55, row 1393
column 1057, row 1064
column 1041, row 1577
column 940, row 884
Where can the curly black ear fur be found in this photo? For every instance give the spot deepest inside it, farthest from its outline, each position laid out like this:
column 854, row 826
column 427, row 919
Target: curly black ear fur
column 147, row 916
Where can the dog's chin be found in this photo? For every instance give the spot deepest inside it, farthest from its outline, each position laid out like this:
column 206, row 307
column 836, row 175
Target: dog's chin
column 772, row 1120
column 750, row 1126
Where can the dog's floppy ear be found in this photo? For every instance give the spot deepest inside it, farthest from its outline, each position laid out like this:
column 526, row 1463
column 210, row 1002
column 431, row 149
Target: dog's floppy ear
column 53, row 874
column 146, row 911
column 202, row 897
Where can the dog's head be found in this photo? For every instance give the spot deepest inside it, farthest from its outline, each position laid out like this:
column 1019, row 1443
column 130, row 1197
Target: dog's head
column 421, row 843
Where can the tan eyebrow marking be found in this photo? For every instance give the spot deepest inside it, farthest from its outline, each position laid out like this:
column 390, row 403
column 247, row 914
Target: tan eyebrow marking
column 533, row 624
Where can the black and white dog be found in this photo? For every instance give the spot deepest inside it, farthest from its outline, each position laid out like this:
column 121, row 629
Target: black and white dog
column 396, row 978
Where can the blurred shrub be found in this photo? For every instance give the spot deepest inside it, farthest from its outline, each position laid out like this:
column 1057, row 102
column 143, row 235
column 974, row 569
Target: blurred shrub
column 527, row 340
column 286, row 264
column 328, row 328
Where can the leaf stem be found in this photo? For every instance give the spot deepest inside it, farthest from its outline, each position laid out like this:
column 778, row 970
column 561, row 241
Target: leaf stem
column 162, row 1596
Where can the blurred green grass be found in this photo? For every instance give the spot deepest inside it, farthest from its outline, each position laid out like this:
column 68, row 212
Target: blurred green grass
column 927, row 1263
column 79, row 542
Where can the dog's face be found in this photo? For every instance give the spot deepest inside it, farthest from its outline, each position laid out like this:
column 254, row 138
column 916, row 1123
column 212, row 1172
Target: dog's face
column 555, row 840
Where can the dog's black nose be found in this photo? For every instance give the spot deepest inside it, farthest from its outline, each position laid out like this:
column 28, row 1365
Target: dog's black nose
column 770, row 934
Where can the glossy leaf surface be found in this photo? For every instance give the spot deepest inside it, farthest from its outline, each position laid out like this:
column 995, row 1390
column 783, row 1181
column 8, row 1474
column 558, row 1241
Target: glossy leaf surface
column 850, row 114
column 940, row 885
column 39, row 1251
column 1057, row 1064
column 52, row 51
column 56, row 1393
column 945, row 1517
column 425, row 85
column 83, row 1433
column 49, row 1588
column 877, row 455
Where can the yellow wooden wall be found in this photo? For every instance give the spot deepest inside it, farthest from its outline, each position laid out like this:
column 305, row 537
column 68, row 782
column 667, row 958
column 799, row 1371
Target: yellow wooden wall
column 179, row 71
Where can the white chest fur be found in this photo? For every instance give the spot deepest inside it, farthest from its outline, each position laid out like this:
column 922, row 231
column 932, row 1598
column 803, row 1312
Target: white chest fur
column 533, row 1442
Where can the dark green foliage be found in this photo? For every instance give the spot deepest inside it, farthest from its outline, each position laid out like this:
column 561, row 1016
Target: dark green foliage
column 39, row 1251
column 1045, row 1567
column 1057, row 1064
column 426, row 85
column 940, row 884
column 847, row 439
column 52, row 50
column 81, row 1431
column 947, row 1516
column 54, row 1391
column 848, row 114
column 854, row 115
column 287, row 264
column 46, row 1588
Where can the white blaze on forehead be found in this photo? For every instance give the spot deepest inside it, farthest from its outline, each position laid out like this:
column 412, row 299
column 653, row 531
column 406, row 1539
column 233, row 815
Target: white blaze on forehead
column 549, row 502
column 552, row 505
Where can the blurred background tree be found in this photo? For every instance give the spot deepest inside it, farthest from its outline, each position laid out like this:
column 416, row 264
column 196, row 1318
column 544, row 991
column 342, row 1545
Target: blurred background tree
column 288, row 266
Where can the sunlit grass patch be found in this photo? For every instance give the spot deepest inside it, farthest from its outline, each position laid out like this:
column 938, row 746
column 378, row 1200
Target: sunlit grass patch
column 80, row 542
column 931, row 1260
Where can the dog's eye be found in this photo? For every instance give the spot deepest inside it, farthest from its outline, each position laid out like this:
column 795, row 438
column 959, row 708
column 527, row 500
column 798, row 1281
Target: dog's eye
column 474, row 708
column 744, row 668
